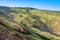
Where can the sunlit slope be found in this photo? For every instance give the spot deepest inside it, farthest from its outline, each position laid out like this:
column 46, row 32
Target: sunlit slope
column 31, row 21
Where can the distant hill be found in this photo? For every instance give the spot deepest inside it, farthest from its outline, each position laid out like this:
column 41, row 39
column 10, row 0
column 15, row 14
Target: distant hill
column 25, row 23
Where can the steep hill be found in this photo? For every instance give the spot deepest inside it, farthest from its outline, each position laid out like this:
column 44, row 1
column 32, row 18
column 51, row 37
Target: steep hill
column 18, row 23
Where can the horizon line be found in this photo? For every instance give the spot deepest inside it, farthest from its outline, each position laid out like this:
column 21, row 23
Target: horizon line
column 32, row 7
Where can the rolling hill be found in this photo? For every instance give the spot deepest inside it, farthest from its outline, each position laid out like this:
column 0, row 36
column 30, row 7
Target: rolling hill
column 25, row 23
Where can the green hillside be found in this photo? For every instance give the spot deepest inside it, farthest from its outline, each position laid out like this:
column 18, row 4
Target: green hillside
column 19, row 23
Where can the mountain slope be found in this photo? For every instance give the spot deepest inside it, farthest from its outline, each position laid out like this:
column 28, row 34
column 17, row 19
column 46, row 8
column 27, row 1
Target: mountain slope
column 33, row 23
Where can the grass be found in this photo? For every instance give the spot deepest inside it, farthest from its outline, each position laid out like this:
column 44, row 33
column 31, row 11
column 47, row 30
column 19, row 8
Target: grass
column 20, row 15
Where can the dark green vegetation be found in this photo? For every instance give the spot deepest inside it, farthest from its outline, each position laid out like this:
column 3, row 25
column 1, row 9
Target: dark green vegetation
column 18, row 23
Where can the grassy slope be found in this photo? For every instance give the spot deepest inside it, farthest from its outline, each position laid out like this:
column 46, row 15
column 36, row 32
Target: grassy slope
column 32, row 20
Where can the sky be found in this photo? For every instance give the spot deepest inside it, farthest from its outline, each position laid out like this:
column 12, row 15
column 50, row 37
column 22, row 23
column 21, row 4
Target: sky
column 40, row 4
